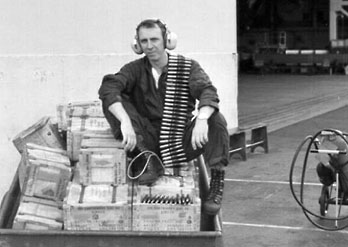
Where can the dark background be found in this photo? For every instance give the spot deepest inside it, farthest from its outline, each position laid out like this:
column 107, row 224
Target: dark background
column 306, row 23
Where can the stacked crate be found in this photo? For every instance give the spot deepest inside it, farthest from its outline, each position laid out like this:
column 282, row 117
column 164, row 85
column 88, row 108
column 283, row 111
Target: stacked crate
column 47, row 174
column 98, row 197
column 80, row 118
column 74, row 177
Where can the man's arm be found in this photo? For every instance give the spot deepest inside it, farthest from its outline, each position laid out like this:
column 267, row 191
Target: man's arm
column 129, row 138
column 110, row 91
column 202, row 89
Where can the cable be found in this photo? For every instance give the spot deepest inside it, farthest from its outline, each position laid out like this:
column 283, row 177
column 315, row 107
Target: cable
column 146, row 164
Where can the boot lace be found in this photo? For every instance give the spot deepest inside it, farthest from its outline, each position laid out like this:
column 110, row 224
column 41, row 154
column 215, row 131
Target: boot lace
column 216, row 190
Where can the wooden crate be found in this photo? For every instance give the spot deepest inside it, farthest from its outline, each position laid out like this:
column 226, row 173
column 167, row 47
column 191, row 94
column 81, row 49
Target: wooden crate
column 97, row 207
column 47, row 172
column 103, row 217
column 172, row 203
column 102, row 166
column 166, row 217
column 100, row 140
column 38, row 152
column 32, row 222
column 44, row 132
column 88, row 123
column 167, row 188
column 36, row 214
column 77, row 118
column 77, row 109
column 41, row 207
column 97, row 194
column 78, row 127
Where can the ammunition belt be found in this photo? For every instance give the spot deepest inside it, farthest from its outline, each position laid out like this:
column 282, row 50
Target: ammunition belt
column 175, row 111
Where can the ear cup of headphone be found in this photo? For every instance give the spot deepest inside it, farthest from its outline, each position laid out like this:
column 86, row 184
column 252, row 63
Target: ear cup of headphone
column 136, row 47
column 171, row 40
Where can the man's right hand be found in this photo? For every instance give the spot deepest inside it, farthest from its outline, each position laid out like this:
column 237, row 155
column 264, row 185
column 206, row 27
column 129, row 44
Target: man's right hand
column 129, row 138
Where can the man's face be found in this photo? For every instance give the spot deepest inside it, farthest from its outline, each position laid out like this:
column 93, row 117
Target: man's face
column 151, row 41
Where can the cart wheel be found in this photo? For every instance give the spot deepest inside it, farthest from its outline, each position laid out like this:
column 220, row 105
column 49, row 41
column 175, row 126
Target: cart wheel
column 324, row 200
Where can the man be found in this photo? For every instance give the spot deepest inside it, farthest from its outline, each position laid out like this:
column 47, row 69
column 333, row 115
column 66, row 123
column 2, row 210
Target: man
column 142, row 109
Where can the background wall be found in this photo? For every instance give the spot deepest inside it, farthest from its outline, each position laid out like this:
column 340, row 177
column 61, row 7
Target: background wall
column 58, row 51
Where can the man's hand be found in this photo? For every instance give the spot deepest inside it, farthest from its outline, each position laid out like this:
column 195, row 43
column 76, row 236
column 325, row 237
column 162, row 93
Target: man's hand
column 199, row 133
column 129, row 138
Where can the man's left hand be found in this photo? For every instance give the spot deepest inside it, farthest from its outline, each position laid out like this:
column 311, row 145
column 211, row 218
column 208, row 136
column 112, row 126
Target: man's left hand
column 199, row 133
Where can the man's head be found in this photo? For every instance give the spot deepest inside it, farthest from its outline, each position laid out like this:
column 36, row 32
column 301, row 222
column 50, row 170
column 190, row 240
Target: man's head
column 151, row 40
column 156, row 28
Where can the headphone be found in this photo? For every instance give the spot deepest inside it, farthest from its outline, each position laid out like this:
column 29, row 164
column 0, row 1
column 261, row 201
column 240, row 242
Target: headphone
column 170, row 38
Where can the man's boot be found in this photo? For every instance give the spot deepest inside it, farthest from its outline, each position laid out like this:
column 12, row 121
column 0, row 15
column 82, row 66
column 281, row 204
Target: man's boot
column 153, row 170
column 212, row 204
column 146, row 166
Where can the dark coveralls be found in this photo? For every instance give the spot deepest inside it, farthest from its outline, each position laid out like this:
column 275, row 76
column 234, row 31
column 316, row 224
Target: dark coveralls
column 135, row 87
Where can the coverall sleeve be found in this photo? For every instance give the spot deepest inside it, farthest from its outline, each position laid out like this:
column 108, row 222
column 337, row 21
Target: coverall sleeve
column 202, row 88
column 114, row 85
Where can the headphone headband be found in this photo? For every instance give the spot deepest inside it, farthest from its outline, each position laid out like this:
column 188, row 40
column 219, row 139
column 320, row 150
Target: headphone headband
column 151, row 23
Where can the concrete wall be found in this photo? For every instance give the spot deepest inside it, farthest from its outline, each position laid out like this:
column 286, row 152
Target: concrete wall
column 58, row 51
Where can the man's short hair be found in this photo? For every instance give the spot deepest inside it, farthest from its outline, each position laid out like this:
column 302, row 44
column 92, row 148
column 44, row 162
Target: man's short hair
column 151, row 23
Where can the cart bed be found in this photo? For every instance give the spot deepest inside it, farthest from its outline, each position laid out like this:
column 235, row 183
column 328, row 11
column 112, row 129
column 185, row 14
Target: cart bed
column 209, row 236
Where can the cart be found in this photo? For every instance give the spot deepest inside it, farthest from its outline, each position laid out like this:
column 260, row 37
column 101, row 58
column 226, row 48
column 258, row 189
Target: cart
column 331, row 149
column 210, row 234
